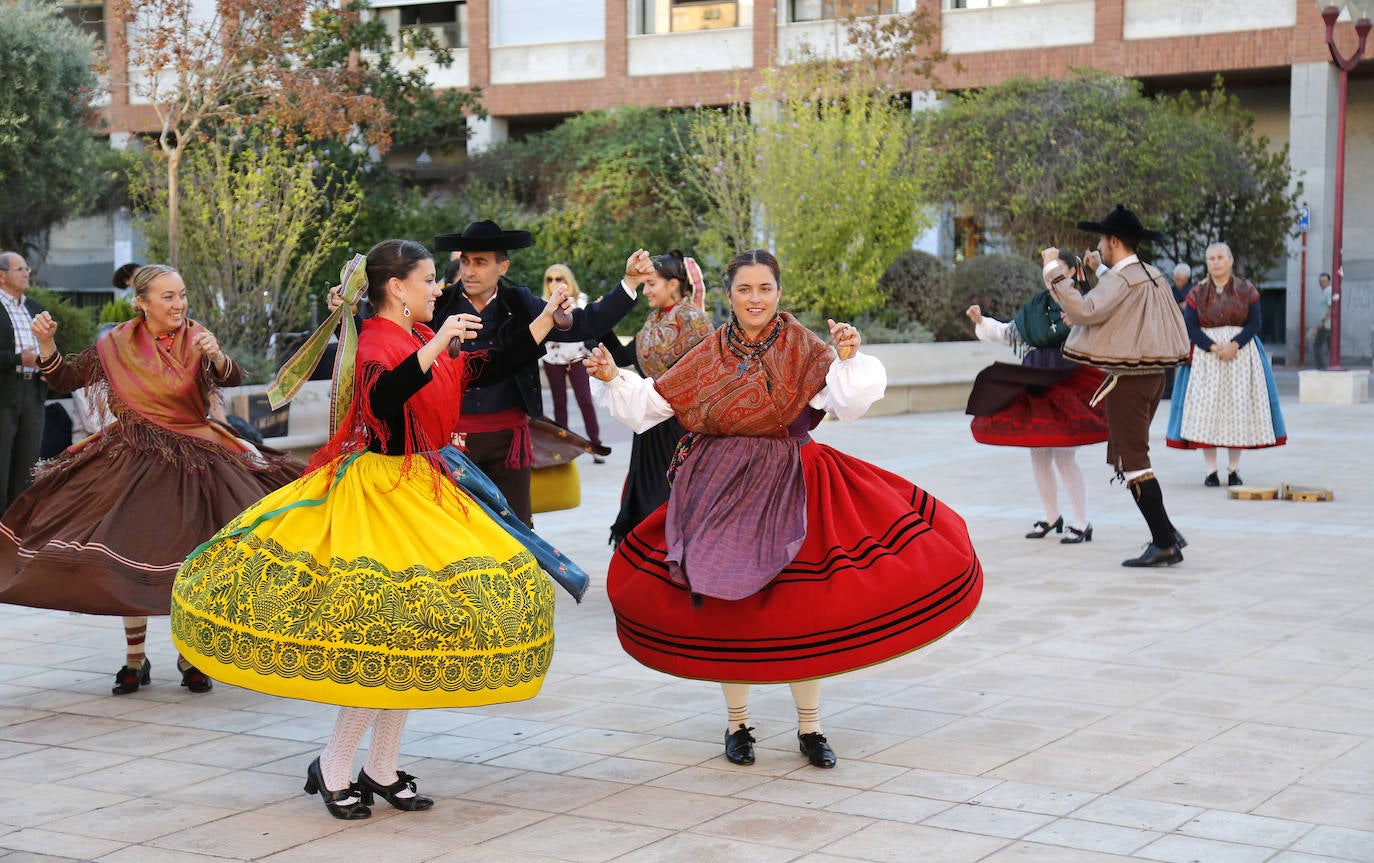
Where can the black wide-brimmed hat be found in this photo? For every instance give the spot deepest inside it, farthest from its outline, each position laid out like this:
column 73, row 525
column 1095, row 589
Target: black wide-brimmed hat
column 1122, row 223
column 483, row 236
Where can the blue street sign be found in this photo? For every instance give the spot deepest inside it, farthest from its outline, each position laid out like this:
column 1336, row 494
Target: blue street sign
column 1304, row 219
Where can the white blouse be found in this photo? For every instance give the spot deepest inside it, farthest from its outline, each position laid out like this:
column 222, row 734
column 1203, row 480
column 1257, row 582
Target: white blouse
column 851, row 388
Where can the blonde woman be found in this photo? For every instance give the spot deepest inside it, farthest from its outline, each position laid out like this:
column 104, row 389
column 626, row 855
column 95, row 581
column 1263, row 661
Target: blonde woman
column 563, row 364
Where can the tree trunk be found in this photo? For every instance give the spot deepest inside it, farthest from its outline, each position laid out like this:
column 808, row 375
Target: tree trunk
column 174, row 205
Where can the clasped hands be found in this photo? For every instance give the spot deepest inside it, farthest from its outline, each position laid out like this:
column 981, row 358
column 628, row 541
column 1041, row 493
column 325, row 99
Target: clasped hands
column 1225, row 352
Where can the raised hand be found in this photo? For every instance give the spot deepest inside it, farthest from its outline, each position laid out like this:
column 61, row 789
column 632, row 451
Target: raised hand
column 458, row 329
column 845, row 337
column 600, row 365
column 205, row 342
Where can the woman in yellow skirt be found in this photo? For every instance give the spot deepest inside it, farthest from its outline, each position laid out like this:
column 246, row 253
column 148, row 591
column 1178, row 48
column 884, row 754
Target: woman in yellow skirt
column 375, row 582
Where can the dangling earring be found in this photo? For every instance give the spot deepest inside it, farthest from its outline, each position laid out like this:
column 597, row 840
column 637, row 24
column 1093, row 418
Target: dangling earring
column 405, row 310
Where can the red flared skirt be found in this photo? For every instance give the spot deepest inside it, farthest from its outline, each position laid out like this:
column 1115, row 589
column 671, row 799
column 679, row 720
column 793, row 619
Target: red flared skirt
column 1054, row 414
column 885, row 569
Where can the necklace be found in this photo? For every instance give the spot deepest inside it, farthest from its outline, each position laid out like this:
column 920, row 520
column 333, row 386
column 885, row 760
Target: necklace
column 165, row 340
column 747, row 350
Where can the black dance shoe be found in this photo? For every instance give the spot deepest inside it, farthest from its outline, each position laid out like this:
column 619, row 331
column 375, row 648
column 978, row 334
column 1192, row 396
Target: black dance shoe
column 196, row 680
column 1211, row 480
column 1076, row 536
column 404, row 782
column 1153, row 555
column 816, row 750
column 1179, row 540
column 346, row 805
column 130, row 679
column 1233, row 478
column 739, row 745
column 1043, row 527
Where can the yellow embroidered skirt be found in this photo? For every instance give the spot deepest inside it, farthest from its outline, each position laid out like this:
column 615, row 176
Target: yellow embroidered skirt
column 357, row 586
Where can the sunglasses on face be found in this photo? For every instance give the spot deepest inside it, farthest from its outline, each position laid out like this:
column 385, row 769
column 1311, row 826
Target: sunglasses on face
column 554, row 279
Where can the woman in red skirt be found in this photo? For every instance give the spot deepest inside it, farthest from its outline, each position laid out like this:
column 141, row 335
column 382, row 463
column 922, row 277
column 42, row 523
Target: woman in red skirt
column 777, row 559
column 1045, row 405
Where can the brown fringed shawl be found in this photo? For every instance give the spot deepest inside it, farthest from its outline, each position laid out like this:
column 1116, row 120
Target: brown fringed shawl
column 710, row 396
column 168, row 388
column 668, row 335
column 737, row 511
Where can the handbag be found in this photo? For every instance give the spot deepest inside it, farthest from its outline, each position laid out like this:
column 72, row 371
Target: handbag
column 1041, row 322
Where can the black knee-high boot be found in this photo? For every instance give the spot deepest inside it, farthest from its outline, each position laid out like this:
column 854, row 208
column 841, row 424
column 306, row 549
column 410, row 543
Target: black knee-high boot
column 1164, row 540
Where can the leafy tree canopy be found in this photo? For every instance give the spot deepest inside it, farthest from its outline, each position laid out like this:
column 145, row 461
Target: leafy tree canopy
column 1028, row 158
column 50, row 163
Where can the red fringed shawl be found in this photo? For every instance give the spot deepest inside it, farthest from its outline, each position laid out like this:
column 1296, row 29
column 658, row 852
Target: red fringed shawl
column 431, row 415
column 710, row 396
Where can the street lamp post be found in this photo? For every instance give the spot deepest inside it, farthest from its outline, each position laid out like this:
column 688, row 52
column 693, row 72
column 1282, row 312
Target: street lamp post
column 1359, row 13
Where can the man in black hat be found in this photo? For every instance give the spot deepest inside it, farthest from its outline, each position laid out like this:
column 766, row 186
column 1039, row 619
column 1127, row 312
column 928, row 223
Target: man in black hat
column 1129, row 326
column 495, row 418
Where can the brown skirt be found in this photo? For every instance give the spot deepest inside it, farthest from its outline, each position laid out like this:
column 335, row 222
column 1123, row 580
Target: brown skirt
column 106, row 533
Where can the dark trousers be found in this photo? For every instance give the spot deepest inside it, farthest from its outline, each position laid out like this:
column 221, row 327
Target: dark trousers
column 576, row 374
column 488, row 451
column 21, row 433
column 1321, row 348
column 1131, row 406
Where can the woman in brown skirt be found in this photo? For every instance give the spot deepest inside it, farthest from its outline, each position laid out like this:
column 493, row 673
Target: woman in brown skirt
column 106, row 524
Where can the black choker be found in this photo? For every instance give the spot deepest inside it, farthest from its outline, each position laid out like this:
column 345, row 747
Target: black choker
column 747, row 350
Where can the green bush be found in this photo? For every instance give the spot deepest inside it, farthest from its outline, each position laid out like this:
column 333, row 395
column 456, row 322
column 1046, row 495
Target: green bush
column 116, row 312
column 918, row 288
column 75, row 326
column 999, row 283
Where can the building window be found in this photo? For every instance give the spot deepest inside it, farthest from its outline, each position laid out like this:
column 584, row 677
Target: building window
column 89, row 16
column 822, row 10
column 985, row 4
column 678, row 16
column 447, row 21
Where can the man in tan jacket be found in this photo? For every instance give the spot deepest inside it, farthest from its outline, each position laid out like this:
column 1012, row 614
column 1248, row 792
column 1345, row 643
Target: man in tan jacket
column 1129, row 326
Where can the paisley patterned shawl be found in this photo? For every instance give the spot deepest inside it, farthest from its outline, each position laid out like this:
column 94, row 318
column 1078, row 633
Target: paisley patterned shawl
column 168, row 388
column 668, row 335
column 1228, row 307
column 710, row 396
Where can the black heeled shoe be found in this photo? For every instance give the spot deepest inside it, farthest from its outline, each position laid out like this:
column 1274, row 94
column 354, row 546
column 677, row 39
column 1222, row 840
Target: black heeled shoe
column 1179, row 540
column 1044, row 527
column 346, row 805
column 404, row 782
column 1211, row 480
column 739, row 745
column 130, row 679
column 1076, row 536
column 196, row 680
column 1153, row 555
column 816, row 750
column 1233, row 478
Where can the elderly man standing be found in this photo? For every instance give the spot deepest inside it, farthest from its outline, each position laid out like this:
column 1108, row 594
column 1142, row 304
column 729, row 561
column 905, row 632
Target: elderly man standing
column 22, row 391
column 1129, row 326
column 495, row 418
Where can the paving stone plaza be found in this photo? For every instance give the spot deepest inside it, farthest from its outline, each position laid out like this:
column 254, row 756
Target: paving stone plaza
column 1219, row 711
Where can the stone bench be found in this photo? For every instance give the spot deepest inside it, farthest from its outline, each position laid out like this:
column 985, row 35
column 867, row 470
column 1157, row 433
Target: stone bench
column 932, row 376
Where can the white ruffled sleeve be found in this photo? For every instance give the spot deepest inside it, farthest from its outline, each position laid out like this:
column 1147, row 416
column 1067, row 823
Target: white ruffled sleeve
column 993, row 330
column 851, row 387
column 634, row 401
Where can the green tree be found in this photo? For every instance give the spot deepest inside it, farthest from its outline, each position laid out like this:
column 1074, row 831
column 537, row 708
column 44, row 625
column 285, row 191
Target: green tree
column 50, row 163
column 312, row 71
column 1241, row 194
column 1028, row 158
column 261, row 218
